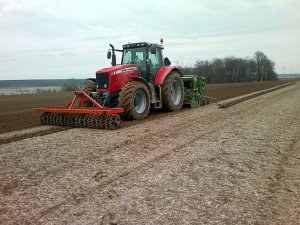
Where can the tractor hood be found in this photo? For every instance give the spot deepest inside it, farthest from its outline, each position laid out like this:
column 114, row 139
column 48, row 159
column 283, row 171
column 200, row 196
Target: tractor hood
column 119, row 69
column 113, row 78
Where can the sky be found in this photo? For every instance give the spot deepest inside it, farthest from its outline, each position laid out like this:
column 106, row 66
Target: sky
column 52, row 39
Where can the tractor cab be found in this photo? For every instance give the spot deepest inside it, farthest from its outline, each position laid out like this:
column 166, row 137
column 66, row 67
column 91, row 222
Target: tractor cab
column 147, row 57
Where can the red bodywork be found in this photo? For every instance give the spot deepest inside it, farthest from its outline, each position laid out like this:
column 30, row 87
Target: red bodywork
column 121, row 74
column 72, row 107
column 118, row 76
column 162, row 72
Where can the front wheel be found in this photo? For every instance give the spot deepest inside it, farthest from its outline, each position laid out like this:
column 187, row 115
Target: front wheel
column 135, row 99
column 172, row 92
column 88, row 86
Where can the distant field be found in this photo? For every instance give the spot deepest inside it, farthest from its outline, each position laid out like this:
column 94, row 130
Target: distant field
column 17, row 111
column 27, row 90
column 230, row 90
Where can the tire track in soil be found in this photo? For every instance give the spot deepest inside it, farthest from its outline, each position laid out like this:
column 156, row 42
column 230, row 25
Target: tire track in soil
column 146, row 162
column 31, row 135
column 281, row 187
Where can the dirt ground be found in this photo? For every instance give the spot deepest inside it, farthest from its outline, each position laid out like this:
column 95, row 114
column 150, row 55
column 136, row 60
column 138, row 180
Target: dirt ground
column 239, row 165
column 17, row 111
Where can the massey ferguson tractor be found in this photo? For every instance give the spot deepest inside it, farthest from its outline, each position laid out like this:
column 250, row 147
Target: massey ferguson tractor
column 143, row 80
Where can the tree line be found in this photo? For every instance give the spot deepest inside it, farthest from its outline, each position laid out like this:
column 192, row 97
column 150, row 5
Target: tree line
column 231, row 69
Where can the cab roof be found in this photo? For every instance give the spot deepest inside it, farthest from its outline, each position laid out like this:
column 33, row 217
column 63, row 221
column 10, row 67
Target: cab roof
column 140, row 44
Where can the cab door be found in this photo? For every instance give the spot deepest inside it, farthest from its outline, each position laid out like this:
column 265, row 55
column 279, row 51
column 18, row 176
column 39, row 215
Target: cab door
column 155, row 61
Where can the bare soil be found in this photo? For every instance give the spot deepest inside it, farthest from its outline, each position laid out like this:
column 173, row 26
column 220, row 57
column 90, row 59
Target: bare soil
column 238, row 165
column 17, row 111
column 231, row 90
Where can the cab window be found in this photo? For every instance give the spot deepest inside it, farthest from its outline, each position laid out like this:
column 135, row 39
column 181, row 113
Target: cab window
column 156, row 58
column 134, row 56
column 155, row 61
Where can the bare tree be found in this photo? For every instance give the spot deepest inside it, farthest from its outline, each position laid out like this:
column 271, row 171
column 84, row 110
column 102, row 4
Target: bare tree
column 232, row 69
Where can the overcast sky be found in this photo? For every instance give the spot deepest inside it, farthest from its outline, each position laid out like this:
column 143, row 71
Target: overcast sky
column 69, row 38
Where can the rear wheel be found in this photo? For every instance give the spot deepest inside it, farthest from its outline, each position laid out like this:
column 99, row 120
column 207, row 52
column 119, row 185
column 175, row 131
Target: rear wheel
column 135, row 99
column 172, row 92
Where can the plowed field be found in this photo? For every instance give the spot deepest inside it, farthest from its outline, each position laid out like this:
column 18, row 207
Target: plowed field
column 239, row 165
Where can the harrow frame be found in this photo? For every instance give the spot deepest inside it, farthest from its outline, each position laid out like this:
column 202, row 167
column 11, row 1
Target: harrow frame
column 71, row 107
column 78, row 115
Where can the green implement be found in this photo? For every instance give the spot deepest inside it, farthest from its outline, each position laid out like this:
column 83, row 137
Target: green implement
column 194, row 91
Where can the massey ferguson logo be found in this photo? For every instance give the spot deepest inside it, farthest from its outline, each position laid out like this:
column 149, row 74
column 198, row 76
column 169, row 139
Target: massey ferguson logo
column 126, row 70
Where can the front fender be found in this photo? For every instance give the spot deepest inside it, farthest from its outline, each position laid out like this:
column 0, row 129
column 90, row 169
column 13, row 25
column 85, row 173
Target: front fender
column 163, row 71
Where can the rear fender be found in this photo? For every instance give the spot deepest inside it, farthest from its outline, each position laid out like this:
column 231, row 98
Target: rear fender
column 163, row 72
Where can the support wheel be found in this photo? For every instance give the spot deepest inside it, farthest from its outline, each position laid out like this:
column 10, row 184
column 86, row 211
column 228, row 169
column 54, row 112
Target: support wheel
column 135, row 99
column 172, row 92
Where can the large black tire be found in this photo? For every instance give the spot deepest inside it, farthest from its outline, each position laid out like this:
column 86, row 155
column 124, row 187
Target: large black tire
column 89, row 86
column 135, row 99
column 172, row 92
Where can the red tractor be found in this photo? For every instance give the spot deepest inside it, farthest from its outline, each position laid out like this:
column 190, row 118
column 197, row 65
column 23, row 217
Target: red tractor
column 144, row 79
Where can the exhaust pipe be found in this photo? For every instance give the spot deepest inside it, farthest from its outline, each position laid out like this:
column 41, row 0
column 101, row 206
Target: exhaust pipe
column 113, row 58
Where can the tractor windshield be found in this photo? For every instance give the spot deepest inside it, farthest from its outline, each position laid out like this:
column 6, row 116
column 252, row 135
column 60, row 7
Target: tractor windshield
column 134, row 56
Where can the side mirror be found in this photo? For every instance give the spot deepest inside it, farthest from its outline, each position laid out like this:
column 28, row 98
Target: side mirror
column 153, row 49
column 109, row 54
column 167, row 62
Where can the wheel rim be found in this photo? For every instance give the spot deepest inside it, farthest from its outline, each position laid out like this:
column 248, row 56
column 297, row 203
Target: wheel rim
column 176, row 92
column 140, row 101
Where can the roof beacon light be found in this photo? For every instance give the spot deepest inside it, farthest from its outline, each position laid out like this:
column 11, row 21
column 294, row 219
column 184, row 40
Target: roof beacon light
column 161, row 41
